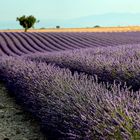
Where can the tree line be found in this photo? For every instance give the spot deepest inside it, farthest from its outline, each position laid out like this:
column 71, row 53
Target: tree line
column 28, row 22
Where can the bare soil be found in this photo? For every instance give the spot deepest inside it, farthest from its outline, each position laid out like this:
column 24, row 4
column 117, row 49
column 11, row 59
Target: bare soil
column 15, row 123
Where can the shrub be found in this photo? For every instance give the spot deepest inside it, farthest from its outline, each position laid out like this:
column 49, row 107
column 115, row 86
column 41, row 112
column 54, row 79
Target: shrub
column 72, row 107
column 120, row 63
column 57, row 27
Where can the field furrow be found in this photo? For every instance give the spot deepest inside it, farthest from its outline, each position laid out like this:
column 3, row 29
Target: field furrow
column 77, row 85
column 17, row 44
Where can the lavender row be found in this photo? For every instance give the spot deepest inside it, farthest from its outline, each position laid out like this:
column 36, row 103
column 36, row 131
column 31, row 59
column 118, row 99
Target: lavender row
column 121, row 63
column 72, row 107
column 17, row 44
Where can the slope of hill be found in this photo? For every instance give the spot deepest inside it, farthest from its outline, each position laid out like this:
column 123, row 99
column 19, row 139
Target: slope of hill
column 17, row 44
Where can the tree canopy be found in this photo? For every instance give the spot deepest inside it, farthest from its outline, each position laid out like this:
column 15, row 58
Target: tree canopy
column 27, row 21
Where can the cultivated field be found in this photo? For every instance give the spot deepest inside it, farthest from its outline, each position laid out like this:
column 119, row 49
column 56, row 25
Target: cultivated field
column 19, row 44
column 77, row 85
column 100, row 29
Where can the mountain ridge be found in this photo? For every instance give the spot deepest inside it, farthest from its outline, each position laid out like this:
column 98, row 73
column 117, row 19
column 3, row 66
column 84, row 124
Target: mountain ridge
column 108, row 19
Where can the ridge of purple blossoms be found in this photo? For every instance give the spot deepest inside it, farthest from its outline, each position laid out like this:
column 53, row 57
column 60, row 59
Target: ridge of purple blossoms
column 72, row 106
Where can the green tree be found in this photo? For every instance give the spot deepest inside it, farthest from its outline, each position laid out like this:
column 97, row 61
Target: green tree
column 57, row 27
column 27, row 21
column 97, row 26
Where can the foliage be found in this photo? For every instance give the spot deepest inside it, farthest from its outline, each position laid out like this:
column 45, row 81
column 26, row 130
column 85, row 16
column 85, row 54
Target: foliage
column 17, row 44
column 79, row 87
column 27, row 21
column 97, row 26
column 57, row 27
column 120, row 63
column 72, row 107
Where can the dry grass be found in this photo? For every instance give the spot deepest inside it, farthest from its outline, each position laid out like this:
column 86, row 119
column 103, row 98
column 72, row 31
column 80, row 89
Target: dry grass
column 101, row 29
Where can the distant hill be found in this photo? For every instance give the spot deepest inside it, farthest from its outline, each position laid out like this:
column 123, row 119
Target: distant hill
column 110, row 19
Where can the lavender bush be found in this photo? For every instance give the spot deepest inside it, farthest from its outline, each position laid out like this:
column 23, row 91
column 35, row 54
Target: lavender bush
column 18, row 44
column 121, row 63
column 72, row 107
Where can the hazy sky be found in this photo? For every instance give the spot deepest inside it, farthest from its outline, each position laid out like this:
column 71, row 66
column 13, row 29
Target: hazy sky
column 56, row 9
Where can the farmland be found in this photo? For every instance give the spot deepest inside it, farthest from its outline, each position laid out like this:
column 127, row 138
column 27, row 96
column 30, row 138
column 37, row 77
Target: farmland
column 88, row 29
column 18, row 44
column 77, row 85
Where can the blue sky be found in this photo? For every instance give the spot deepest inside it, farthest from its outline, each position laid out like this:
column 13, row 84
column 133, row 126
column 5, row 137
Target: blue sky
column 63, row 9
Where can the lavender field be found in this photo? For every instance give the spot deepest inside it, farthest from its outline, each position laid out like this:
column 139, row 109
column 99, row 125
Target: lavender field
column 78, row 86
column 17, row 44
